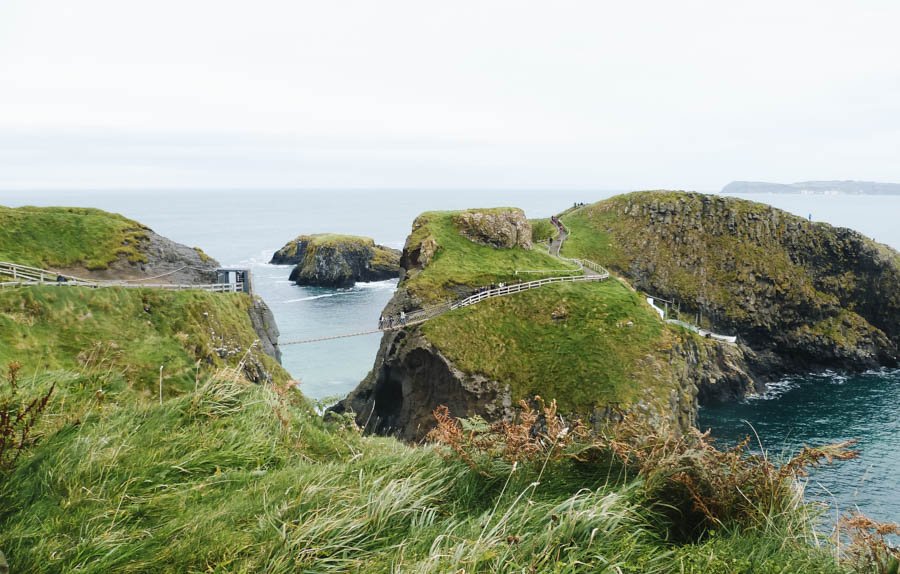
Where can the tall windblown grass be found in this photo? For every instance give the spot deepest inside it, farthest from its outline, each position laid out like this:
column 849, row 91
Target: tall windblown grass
column 238, row 477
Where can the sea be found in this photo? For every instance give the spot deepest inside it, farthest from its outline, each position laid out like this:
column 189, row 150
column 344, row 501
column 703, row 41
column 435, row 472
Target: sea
column 242, row 228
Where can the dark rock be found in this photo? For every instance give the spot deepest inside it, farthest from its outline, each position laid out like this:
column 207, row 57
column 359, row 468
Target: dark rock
column 263, row 321
column 337, row 261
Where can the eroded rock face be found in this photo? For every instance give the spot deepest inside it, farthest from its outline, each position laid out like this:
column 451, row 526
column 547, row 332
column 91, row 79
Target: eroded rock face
column 411, row 379
column 800, row 295
column 167, row 262
column 503, row 228
column 263, row 321
column 324, row 261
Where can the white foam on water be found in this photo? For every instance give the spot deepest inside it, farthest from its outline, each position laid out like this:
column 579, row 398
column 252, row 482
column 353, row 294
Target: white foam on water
column 379, row 285
column 775, row 390
column 311, row 297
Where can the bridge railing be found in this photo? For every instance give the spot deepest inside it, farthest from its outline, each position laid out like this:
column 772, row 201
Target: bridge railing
column 23, row 275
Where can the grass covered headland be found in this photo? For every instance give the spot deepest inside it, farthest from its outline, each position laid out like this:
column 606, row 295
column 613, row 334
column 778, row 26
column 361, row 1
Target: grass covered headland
column 64, row 237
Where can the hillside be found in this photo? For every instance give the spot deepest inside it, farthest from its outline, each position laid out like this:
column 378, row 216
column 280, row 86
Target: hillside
column 133, row 332
column 596, row 348
column 235, row 477
column 801, row 295
column 95, row 244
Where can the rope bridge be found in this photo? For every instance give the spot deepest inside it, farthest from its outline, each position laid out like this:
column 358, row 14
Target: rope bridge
column 403, row 319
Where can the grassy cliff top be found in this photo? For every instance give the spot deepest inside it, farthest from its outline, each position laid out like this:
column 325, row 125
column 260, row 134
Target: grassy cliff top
column 312, row 243
column 66, row 237
column 586, row 345
column 452, row 261
column 825, row 293
column 132, row 331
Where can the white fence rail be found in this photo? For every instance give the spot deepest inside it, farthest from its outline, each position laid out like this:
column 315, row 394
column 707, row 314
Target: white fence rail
column 22, row 275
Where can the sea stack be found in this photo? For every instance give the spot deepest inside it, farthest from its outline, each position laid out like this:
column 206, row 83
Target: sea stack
column 330, row 260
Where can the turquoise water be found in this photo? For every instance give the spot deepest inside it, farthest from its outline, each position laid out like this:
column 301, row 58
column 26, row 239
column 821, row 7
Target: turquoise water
column 822, row 409
column 245, row 227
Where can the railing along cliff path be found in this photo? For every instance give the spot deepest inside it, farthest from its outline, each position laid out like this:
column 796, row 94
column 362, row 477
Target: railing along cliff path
column 22, row 275
column 591, row 272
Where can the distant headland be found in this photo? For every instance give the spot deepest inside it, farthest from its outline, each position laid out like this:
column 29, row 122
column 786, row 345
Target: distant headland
column 848, row 187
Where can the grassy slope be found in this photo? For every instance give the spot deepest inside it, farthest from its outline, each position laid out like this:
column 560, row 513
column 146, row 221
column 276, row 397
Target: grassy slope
column 599, row 233
column 243, row 478
column 134, row 330
column 718, row 266
column 68, row 237
column 590, row 357
column 460, row 262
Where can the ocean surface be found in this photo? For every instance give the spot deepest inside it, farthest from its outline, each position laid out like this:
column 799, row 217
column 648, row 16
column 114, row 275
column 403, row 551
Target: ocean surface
column 244, row 228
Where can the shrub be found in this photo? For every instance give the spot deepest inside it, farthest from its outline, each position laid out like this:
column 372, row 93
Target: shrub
column 17, row 418
column 868, row 549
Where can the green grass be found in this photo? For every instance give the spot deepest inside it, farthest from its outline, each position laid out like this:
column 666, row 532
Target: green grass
column 132, row 330
column 232, row 477
column 317, row 240
column 715, row 252
column 605, row 346
column 542, row 230
column 460, row 263
column 65, row 237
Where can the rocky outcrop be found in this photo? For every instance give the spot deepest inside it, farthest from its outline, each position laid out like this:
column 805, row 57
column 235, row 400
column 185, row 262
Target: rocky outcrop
column 263, row 321
column 163, row 261
column 504, row 227
column 411, row 378
column 800, row 296
column 337, row 260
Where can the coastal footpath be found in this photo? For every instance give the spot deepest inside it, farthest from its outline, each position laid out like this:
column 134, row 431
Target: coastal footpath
column 331, row 260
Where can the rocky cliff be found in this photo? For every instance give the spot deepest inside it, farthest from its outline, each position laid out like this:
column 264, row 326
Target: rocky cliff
column 328, row 260
column 596, row 348
column 160, row 260
column 800, row 295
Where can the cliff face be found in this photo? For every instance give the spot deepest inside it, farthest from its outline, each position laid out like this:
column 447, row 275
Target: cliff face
column 337, row 260
column 799, row 295
column 263, row 321
column 596, row 348
column 161, row 259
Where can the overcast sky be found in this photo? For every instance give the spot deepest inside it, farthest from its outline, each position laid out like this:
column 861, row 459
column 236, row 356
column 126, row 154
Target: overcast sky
column 488, row 93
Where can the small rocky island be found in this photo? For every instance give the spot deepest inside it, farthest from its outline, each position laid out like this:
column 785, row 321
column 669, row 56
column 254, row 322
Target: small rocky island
column 330, row 260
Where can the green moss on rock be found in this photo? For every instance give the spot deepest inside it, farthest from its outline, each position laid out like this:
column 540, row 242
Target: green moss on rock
column 749, row 268
column 332, row 260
